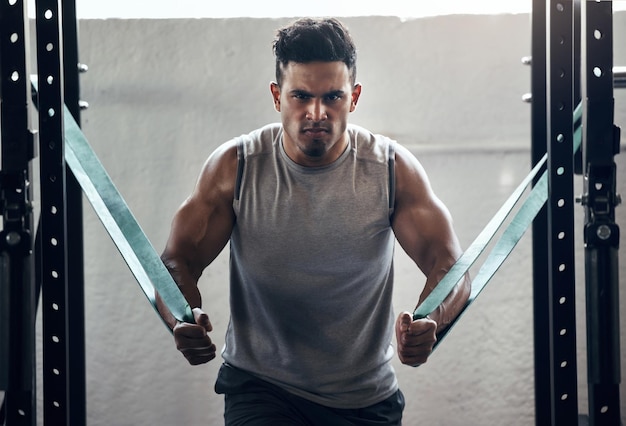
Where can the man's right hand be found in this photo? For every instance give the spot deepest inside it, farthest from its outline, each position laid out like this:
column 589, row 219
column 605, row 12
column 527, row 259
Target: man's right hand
column 193, row 340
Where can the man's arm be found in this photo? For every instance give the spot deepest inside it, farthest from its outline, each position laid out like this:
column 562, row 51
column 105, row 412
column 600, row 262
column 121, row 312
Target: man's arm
column 200, row 229
column 423, row 227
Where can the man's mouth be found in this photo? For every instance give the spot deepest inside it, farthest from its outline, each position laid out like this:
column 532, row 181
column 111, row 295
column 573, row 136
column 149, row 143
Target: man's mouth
column 315, row 130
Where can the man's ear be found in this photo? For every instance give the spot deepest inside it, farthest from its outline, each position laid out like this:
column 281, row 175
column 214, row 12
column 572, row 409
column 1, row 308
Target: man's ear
column 356, row 93
column 275, row 89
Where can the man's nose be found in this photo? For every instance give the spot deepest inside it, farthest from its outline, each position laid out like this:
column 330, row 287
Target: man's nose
column 317, row 111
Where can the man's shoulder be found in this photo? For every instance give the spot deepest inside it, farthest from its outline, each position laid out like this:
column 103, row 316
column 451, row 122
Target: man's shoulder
column 268, row 132
column 260, row 140
column 370, row 144
column 359, row 132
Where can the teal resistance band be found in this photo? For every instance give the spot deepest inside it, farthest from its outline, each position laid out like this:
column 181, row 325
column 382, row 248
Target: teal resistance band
column 467, row 259
column 113, row 212
column 118, row 220
column 506, row 243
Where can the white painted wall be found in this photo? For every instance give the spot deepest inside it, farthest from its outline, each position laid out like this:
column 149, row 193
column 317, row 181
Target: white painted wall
column 165, row 93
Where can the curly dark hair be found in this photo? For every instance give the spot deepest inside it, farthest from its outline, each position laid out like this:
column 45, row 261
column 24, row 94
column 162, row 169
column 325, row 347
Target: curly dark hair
column 307, row 40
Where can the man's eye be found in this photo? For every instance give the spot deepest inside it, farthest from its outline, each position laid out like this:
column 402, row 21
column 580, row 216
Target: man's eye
column 333, row 98
column 301, row 96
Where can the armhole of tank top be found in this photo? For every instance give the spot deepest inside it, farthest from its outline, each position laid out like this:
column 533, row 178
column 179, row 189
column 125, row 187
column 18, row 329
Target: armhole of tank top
column 240, row 166
column 392, row 175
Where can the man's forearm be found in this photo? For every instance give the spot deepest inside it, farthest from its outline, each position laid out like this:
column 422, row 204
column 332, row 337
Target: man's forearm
column 453, row 304
column 187, row 286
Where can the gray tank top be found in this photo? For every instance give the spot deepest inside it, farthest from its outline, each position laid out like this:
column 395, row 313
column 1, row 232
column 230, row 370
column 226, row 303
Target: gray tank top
column 312, row 270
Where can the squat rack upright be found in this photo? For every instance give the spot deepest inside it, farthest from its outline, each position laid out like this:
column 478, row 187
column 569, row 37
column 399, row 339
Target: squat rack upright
column 53, row 259
column 50, row 256
column 572, row 62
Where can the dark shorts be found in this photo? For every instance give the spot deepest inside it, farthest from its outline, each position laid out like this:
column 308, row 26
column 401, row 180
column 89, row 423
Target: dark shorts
column 253, row 402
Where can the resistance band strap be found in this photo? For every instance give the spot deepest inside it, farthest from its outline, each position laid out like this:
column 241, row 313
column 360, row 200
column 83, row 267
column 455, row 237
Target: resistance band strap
column 467, row 259
column 505, row 244
column 132, row 243
column 118, row 220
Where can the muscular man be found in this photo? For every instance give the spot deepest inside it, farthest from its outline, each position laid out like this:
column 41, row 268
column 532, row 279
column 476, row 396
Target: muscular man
column 312, row 207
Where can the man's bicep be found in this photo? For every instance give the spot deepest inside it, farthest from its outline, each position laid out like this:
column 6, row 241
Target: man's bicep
column 199, row 232
column 202, row 225
column 422, row 224
column 426, row 235
column 423, row 227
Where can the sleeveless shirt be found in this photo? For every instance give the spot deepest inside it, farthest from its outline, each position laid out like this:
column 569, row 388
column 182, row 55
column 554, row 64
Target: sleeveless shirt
column 311, row 265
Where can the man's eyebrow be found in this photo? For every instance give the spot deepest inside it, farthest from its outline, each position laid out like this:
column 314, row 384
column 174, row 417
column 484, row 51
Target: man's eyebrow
column 337, row 92
column 300, row 92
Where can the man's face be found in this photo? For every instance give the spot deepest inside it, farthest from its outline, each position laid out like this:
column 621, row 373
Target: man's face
column 314, row 101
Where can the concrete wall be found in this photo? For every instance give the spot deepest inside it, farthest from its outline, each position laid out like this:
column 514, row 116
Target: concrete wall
column 165, row 93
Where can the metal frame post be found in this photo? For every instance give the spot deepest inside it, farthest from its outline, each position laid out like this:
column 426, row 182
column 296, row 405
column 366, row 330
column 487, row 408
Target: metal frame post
column 53, row 226
column 541, row 336
column 577, row 89
column 561, row 263
column 601, row 140
column 75, row 246
column 17, row 288
column 61, row 245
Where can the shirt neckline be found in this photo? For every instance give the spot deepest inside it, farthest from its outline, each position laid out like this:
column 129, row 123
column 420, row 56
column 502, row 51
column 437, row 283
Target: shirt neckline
column 313, row 169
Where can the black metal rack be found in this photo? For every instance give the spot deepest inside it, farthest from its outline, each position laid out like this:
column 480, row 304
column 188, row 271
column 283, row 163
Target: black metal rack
column 17, row 285
column 61, row 204
column 560, row 210
column 54, row 264
column 572, row 62
column 601, row 140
